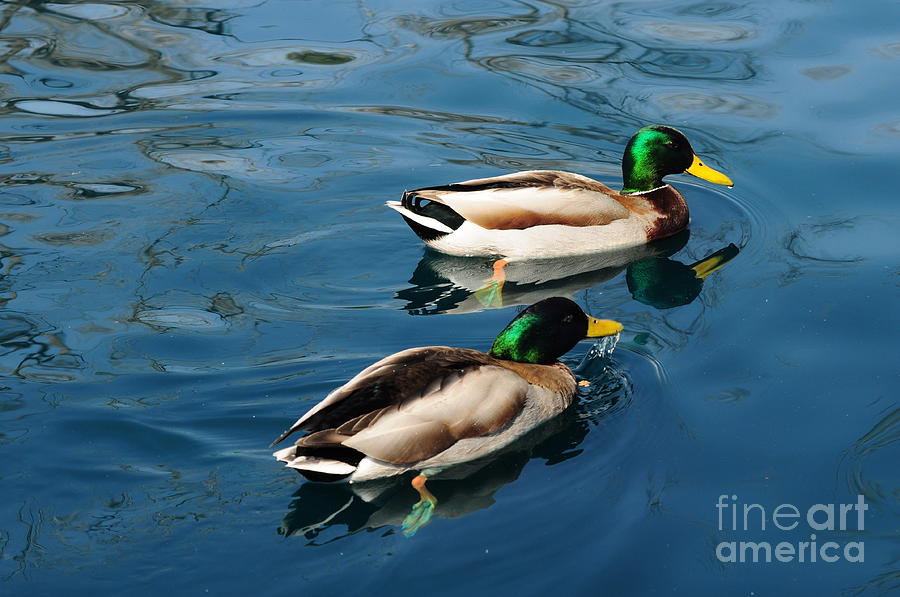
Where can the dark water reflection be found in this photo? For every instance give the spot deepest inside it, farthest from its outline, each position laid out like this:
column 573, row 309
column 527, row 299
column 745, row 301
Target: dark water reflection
column 193, row 251
column 444, row 283
column 375, row 506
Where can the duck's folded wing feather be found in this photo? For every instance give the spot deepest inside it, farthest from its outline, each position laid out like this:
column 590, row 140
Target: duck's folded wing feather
column 483, row 401
column 400, row 377
column 532, row 198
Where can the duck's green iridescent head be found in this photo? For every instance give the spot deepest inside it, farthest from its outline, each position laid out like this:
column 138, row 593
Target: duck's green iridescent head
column 655, row 151
column 547, row 330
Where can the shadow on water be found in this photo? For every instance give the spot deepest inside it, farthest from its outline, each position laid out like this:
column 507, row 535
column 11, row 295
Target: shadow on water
column 448, row 284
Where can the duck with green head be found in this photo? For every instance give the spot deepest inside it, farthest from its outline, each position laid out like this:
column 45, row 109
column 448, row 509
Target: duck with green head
column 550, row 213
column 427, row 409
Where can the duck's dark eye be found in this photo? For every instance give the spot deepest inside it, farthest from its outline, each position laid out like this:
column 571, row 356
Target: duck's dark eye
column 567, row 319
column 671, row 144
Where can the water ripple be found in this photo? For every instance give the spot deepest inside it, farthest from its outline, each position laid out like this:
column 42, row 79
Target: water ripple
column 869, row 456
column 467, row 27
column 551, row 69
column 840, row 241
column 61, row 108
column 695, row 33
column 694, row 64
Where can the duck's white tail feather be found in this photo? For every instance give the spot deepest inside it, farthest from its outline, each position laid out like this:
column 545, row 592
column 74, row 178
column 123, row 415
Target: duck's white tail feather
column 418, row 218
column 325, row 466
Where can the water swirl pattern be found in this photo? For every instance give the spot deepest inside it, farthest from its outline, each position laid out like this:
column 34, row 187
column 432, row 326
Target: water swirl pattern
column 194, row 250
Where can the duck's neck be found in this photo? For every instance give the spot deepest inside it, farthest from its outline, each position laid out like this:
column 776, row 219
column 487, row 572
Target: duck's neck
column 640, row 170
column 640, row 175
column 511, row 346
column 670, row 210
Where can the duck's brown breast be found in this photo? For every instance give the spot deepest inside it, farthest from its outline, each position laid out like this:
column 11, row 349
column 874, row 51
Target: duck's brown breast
column 664, row 209
column 556, row 377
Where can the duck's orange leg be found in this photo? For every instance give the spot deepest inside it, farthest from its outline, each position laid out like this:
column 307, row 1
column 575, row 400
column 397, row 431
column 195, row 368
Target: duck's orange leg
column 422, row 511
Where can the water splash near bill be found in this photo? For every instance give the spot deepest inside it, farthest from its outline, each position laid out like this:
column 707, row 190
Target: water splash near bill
column 601, row 349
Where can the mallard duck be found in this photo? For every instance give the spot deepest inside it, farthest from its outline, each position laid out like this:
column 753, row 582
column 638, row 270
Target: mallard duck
column 427, row 409
column 549, row 213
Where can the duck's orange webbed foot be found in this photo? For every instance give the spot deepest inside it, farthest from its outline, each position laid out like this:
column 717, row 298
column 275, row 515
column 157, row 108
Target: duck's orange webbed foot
column 422, row 511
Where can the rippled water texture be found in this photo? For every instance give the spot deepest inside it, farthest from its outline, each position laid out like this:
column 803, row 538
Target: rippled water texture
column 194, row 250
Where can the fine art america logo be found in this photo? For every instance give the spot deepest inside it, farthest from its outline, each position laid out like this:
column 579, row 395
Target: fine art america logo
column 820, row 518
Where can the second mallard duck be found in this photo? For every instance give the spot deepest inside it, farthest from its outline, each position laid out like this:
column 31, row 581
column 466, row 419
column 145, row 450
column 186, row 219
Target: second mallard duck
column 549, row 213
column 427, row 409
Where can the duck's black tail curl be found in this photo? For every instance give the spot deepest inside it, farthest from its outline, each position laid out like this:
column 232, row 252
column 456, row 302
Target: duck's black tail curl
column 429, row 219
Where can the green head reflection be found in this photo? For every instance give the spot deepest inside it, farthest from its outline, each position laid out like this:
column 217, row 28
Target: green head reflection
column 664, row 283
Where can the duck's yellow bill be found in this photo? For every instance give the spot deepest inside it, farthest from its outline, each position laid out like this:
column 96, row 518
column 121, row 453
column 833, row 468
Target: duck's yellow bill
column 599, row 328
column 701, row 170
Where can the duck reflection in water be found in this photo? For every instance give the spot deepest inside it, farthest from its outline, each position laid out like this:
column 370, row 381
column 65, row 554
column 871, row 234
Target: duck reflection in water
column 444, row 283
column 664, row 283
column 462, row 490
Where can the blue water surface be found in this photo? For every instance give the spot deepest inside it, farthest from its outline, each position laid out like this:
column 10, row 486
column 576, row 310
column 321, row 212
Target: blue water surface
column 194, row 250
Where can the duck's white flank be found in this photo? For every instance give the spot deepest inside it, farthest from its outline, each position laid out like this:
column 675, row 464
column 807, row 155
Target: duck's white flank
column 617, row 227
column 551, row 240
